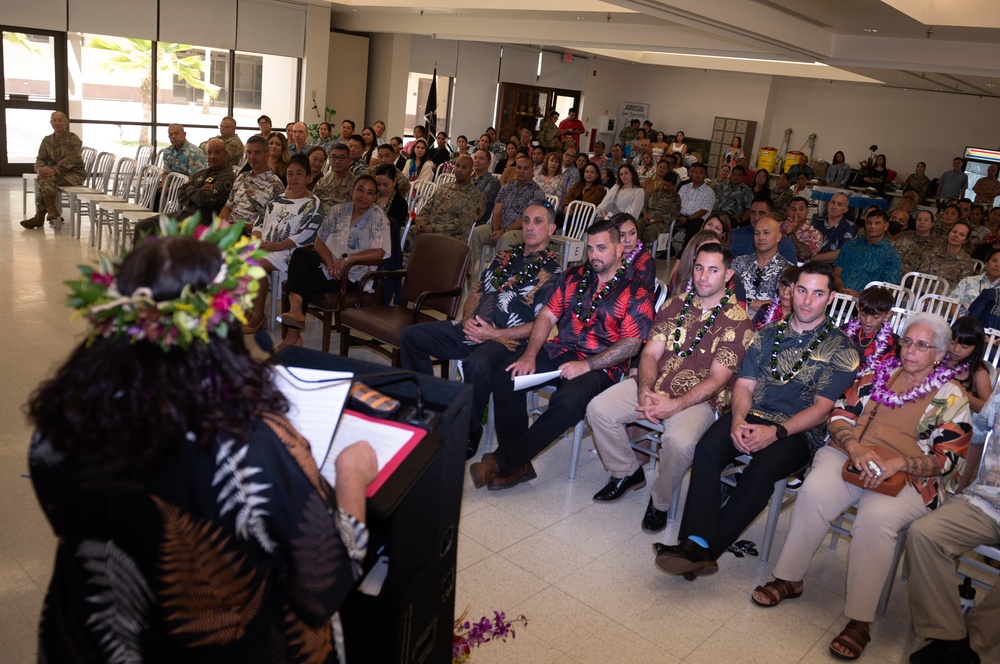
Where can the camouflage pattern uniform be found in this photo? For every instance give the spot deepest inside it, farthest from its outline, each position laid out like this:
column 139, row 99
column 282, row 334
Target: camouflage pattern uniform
column 663, row 206
column 234, row 149
column 331, row 192
column 64, row 156
column 193, row 196
column 547, row 134
column 453, row 210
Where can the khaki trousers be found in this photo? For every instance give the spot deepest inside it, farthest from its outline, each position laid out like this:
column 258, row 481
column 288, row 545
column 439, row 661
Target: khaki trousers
column 822, row 498
column 933, row 546
column 614, row 408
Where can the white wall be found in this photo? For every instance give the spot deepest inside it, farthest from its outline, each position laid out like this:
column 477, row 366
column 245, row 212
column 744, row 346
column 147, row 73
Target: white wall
column 388, row 70
column 908, row 126
column 680, row 99
column 317, row 50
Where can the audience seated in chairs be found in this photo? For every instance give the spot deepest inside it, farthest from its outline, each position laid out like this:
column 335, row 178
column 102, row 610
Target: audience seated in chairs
column 497, row 318
column 487, row 184
column 59, row 163
column 234, row 146
column 589, row 189
column 686, row 370
column 350, row 232
column 551, row 179
column 386, row 156
column 182, row 156
column 793, row 373
column 640, row 263
column 907, row 421
column 965, row 355
column 601, row 319
column 782, row 306
column 836, row 228
column 627, row 196
column 505, row 229
column 969, row 288
column 317, row 161
column 913, row 245
column 950, row 262
column 871, row 331
column 252, row 189
column 289, row 221
column 337, row 186
column 419, row 166
column 356, row 146
column 454, row 207
column 869, row 258
column 760, row 270
column 697, row 199
column 298, row 140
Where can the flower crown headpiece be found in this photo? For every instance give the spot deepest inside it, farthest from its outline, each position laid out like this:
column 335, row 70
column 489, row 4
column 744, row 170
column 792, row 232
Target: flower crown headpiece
column 192, row 316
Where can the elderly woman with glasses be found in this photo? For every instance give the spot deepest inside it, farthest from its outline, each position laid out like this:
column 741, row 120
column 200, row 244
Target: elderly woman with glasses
column 908, row 418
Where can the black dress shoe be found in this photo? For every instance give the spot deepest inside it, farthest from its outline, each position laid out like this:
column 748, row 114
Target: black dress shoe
column 940, row 651
column 687, row 559
column 619, row 486
column 655, row 520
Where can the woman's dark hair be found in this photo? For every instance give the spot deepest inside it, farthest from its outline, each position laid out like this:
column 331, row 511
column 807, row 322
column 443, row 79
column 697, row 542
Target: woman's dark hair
column 418, row 162
column 596, row 168
column 301, row 160
column 129, row 404
column 327, row 125
column 387, row 170
column 316, row 148
column 843, row 159
column 631, row 169
column 374, row 137
column 608, row 178
column 968, row 331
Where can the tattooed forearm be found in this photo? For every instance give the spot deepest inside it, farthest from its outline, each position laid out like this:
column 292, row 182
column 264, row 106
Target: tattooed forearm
column 620, row 351
column 922, row 466
column 841, row 435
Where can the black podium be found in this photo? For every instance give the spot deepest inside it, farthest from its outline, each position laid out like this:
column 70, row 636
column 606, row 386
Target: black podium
column 411, row 620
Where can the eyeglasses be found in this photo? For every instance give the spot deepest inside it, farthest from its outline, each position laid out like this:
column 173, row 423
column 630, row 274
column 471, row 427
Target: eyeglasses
column 922, row 346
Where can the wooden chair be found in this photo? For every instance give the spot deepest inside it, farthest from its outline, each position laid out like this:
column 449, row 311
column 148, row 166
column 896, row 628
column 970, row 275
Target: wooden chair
column 432, row 280
column 327, row 307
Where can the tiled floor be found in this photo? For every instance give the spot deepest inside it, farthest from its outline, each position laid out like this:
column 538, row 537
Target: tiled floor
column 581, row 572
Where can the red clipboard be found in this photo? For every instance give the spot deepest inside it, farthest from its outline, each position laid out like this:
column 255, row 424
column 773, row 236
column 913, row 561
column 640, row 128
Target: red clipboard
column 405, row 439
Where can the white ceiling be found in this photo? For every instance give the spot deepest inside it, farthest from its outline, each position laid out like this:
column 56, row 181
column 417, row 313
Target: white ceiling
column 882, row 42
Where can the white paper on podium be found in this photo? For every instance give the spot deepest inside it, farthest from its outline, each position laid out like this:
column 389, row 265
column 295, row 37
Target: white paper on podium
column 524, row 382
column 315, row 404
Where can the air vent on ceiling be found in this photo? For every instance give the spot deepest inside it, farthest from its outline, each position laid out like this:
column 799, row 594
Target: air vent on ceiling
column 785, row 10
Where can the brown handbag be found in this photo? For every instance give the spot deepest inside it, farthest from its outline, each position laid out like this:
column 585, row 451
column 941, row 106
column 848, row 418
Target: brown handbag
column 891, row 486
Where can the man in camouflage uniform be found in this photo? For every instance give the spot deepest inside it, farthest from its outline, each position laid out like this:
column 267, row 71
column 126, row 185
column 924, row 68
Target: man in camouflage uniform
column 549, row 130
column 336, row 186
column 455, row 206
column 629, row 133
column 58, row 164
column 662, row 203
column 234, row 146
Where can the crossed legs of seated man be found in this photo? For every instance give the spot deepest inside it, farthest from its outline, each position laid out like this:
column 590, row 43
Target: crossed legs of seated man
column 708, row 527
column 448, row 340
column 609, row 413
column 517, row 443
column 933, row 545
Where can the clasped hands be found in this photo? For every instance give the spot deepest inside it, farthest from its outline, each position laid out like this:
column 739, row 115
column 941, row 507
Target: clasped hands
column 862, row 454
column 45, row 172
column 750, row 438
column 655, row 407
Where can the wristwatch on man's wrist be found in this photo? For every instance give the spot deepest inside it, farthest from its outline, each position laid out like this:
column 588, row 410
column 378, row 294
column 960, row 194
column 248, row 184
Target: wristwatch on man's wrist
column 780, row 431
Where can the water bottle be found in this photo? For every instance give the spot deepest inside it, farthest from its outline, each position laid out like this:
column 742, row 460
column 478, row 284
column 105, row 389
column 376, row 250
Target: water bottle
column 967, row 596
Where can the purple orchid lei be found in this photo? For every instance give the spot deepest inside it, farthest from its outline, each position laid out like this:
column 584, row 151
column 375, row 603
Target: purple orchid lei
column 880, row 383
column 469, row 635
column 882, row 339
column 771, row 314
column 635, row 252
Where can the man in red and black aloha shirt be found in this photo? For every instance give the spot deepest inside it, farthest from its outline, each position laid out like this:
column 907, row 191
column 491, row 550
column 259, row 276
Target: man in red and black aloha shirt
column 602, row 318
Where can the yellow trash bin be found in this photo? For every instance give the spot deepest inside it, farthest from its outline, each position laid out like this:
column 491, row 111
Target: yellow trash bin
column 765, row 159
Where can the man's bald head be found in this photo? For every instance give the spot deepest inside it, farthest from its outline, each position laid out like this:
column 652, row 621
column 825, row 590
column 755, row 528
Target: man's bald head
column 300, row 134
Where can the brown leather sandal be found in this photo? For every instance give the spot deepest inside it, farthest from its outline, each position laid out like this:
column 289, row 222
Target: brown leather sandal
column 773, row 592
column 853, row 639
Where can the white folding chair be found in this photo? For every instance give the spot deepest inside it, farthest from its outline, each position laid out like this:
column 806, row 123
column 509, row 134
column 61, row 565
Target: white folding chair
column 946, row 307
column 553, row 201
column 905, row 298
column 446, row 167
column 172, row 184
column 579, row 215
column 28, row 182
column 897, row 317
column 661, row 294
column 991, row 354
column 444, row 179
column 579, row 429
column 144, row 155
column 922, row 284
column 842, row 308
column 124, row 172
column 420, row 192
column 978, row 266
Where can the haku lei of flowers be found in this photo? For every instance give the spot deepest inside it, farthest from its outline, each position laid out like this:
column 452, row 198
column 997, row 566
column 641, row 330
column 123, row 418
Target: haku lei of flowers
column 192, row 316
column 704, row 328
column 503, row 280
column 469, row 635
column 806, row 353
column 882, row 340
column 880, row 382
column 585, row 315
